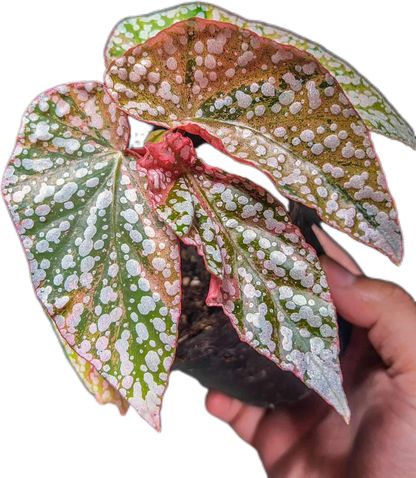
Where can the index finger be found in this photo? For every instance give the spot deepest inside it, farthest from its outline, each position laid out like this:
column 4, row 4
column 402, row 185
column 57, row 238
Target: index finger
column 385, row 309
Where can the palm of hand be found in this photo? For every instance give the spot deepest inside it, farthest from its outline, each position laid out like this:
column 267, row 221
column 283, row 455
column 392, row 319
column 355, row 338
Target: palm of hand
column 310, row 439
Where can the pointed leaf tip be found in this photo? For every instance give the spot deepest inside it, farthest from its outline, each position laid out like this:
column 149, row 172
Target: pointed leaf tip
column 326, row 379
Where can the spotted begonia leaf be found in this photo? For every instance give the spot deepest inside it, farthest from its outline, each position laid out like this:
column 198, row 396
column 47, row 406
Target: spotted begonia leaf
column 105, row 268
column 376, row 111
column 268, row 105
column 265, row 276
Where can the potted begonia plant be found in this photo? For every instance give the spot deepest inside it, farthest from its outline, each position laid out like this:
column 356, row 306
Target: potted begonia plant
column 101, row 221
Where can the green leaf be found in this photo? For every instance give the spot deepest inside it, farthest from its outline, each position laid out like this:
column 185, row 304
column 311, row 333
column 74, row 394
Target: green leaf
column 265, row 276
column 376, row 111
column 268, row 105
column 135, row 30
column 105, row 268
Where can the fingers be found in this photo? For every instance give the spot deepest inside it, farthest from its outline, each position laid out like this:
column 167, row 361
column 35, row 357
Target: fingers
column 272, row 433
column 244, row 419
column 335, row 251
column 386, row 310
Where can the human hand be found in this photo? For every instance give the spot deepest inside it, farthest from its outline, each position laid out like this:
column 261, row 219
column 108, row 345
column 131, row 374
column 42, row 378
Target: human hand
column 308, row 438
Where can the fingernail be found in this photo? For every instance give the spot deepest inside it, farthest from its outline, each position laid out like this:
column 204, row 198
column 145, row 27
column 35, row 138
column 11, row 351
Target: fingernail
column 338, row 275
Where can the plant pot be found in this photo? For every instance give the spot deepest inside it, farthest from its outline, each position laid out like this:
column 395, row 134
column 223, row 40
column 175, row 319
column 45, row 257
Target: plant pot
column 209, row 348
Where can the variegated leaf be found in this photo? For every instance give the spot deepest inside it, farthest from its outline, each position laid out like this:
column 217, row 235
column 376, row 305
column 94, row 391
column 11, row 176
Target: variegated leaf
column 265, row 276
column 133, row 31
column 378, row 114
column 104, row 267
column 268, row 105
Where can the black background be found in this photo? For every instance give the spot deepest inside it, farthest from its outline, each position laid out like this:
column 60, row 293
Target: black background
column 53, row 421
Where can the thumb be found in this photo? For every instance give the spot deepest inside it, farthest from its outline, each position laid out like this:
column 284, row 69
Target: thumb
column 385, row 309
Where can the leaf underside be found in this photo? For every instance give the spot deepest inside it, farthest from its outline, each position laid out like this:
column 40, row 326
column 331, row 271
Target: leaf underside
column 105, row 268
column 375, row 110
column 268, row 105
